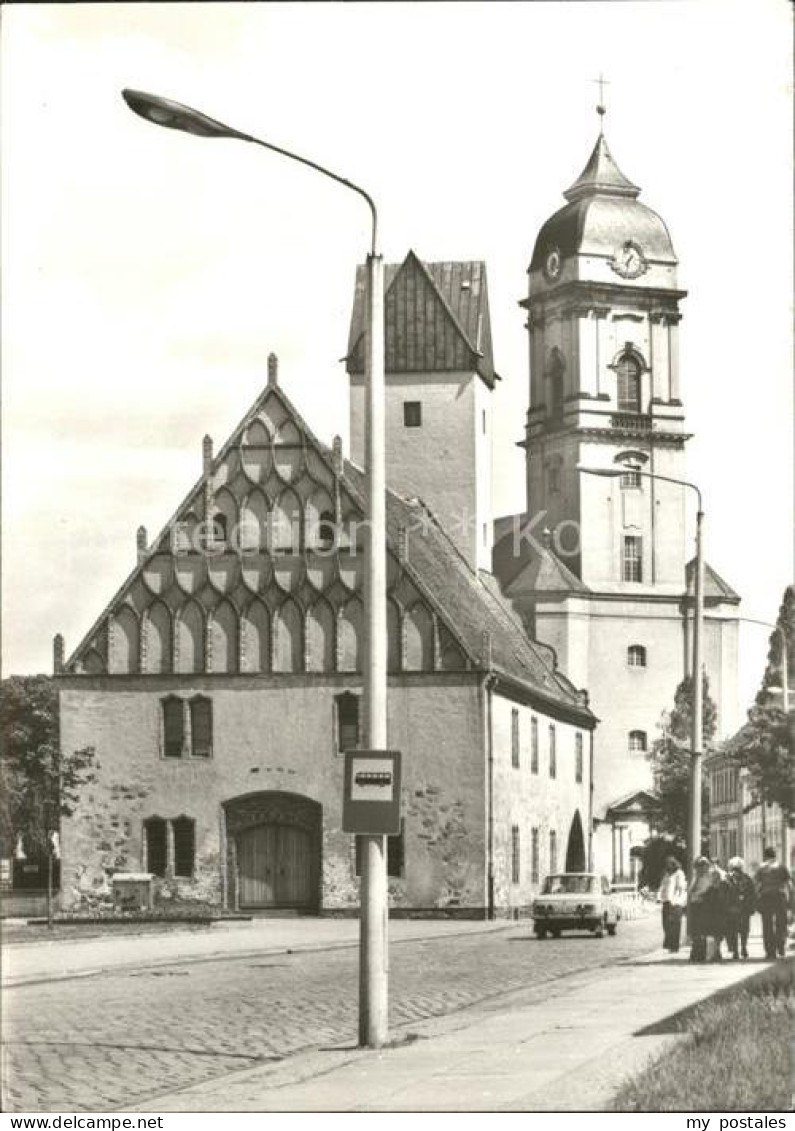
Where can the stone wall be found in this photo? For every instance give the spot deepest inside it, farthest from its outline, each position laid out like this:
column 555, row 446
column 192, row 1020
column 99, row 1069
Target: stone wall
column 275, row 733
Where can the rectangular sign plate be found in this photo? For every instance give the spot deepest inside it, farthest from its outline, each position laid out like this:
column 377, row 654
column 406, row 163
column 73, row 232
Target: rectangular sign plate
column 371, row 802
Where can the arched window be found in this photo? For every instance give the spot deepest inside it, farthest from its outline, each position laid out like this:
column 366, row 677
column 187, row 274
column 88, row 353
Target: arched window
column 637, row 741
column 636, row 656
column 628, row 371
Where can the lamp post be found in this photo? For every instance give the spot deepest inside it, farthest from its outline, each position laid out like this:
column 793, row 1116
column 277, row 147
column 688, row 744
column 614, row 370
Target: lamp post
column 374, row 910
column 697, row 731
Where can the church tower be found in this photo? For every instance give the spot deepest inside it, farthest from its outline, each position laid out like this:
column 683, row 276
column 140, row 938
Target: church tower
column 439, row 382
column 600, row 572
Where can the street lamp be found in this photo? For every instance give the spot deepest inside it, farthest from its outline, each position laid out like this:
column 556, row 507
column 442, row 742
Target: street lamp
column 374, row 912
column 697, row 732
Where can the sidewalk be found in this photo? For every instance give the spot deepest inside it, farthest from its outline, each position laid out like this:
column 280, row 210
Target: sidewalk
column 26, row 963
column 564, row 1046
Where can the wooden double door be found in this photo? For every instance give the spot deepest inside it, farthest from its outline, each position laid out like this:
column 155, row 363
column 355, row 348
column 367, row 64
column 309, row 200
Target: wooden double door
column 275, row 867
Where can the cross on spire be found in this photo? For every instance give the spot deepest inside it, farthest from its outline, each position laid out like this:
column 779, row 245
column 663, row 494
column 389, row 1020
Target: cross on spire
column 601, row 109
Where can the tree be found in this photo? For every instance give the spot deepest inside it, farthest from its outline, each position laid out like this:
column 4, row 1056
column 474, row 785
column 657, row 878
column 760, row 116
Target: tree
column 765, row 746
column 672, row 760
column 38, row 785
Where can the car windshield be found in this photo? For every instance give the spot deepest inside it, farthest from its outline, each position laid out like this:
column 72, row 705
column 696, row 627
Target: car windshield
column 569, row 885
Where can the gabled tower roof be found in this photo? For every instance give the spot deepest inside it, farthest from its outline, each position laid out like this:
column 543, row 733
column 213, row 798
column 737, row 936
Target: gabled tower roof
column 436, row 318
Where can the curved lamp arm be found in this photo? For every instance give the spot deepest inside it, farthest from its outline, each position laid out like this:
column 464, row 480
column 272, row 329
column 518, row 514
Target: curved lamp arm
column 176, row 116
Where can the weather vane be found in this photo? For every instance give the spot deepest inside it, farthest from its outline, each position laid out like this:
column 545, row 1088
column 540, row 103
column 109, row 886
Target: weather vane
column 601, row 109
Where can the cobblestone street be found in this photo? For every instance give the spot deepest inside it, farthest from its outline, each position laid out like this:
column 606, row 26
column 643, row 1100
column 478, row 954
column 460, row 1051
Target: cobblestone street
column 112, row 1041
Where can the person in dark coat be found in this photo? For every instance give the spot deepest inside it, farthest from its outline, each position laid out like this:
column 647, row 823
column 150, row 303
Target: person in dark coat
column 740, row 905
column 700, row 900
column 773, row 887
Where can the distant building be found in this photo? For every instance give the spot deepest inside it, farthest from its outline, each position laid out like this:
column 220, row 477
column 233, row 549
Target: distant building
column 739, row 823
column 597, row 567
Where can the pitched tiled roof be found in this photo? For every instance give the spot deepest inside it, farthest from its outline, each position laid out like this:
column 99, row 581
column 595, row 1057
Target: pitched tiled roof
column 436, row 318
column 522, row 566
column 469, row 603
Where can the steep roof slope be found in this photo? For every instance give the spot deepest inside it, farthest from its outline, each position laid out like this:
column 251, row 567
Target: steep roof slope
column 436, row 318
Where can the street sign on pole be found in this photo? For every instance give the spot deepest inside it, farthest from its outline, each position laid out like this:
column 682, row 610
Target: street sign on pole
column 371, row 802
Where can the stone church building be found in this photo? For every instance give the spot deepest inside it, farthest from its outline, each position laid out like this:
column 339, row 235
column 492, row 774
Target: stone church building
column 221, row 683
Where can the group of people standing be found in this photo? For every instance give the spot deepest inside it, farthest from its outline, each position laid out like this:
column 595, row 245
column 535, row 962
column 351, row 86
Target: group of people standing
column 720, row 904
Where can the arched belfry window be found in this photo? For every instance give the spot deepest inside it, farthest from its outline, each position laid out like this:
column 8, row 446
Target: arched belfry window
column 628, row 372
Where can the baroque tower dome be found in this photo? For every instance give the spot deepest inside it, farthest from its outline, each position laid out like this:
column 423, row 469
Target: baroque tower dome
column 603, row 234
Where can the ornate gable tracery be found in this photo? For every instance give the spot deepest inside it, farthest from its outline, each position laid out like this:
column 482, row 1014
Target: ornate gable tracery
column 262, row 570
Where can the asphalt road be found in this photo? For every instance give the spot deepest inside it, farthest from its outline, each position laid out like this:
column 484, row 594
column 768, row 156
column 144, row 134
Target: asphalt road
column 112, row 1041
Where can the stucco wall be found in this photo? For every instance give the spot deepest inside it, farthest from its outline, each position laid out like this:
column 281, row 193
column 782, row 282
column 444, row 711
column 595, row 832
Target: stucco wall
column 276, row 734
column 533, row 800
column 447, row 460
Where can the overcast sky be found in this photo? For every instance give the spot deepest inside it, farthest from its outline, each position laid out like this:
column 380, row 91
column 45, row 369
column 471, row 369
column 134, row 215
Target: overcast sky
column 148, row 274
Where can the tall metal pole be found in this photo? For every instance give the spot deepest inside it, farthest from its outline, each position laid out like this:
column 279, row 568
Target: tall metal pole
column 373, row 995
column 694, row 828
column 373, row 935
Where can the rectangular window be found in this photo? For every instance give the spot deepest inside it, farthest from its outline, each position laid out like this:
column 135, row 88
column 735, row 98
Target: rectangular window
column 184, row 830
column 395, row 854
column 515, row 858
column 535, row 870
column 633, row 558
column 534, row 745
column 156, row 846
column 553, row 753
column 395, row 850
column 578, row 757
column 347, row 710
column 553, row 851
column 630, row 478
column 412, row 414
column 515, row 738
column 201, row 727
column 173, row 727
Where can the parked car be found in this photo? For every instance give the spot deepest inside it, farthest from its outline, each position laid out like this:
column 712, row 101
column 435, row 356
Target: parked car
column 575, row 901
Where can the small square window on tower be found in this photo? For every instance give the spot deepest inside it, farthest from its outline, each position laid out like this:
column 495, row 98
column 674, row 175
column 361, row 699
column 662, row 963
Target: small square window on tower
column 412, row 414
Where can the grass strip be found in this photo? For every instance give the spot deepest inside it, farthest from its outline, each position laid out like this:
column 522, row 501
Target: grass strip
column 738, row 1055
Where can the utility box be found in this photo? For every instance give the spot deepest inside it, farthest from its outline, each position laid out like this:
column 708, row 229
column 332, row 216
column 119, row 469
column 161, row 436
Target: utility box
column 132, row 891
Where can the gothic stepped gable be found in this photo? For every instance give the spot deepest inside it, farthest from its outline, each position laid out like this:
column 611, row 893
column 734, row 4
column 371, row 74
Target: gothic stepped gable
column 244, row 578
column 436, row 318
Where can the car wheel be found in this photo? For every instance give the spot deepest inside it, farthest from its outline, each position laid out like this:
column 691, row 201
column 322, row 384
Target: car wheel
column 541, row 932
column 555, row 932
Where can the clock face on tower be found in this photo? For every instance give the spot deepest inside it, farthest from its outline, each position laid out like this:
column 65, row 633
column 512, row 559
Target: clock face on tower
column 629, row 261
column 552, row 264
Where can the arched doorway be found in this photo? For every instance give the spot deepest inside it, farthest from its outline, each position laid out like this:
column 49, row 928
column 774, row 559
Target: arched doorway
column 273, row 851
column 575, row 849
